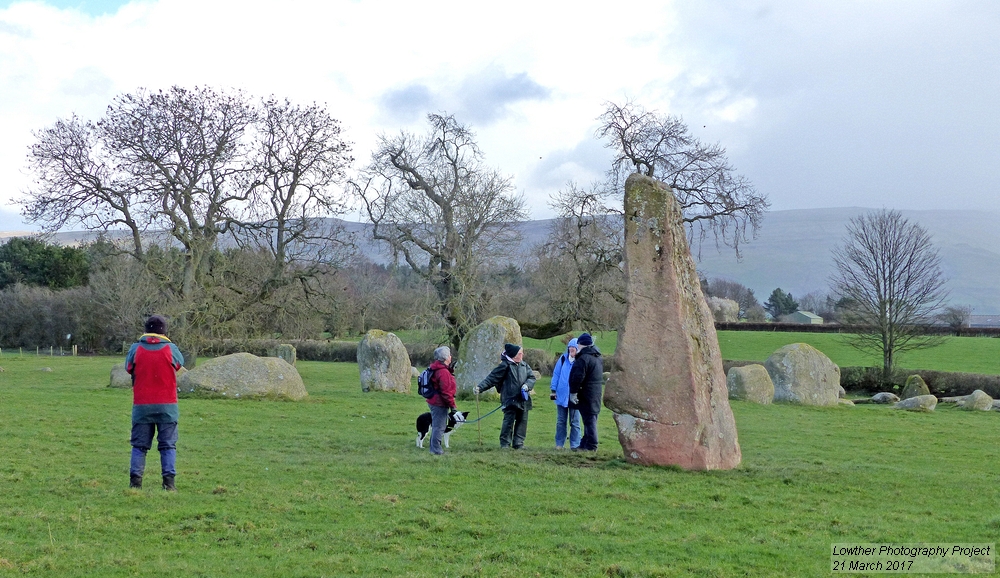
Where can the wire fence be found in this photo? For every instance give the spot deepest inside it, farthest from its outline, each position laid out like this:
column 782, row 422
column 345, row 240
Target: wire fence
column 51, row 351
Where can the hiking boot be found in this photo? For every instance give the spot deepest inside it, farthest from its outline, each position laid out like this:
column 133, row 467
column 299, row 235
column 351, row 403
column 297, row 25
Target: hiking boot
column 135, row 482
column 168, row 484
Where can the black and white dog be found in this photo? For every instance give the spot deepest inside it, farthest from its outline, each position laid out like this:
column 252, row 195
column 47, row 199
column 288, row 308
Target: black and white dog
column 455, row 419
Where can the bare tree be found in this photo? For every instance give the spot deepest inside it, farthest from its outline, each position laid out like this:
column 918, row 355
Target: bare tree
column 172, row 159
column 199, row 166
column 713, row 198
column 434, row 202
column 956, row 316
column 889, row 273
column 299, row 166
column 729, row 289
column 581, row 258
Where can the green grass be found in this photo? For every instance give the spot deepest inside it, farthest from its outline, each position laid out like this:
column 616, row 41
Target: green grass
column 965, row 354
column 334, row 486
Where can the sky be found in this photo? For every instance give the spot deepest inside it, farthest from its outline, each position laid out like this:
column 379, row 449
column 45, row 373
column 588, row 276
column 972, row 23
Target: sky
column 819, row 103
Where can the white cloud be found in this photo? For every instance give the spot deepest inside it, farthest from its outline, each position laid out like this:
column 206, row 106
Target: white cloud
column 804, row 95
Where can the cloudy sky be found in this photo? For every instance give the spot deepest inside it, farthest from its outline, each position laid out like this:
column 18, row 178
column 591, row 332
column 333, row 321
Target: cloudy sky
column 820, row 104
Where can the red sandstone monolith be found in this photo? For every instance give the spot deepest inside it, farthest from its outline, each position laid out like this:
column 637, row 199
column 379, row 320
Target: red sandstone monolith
column 669, row 392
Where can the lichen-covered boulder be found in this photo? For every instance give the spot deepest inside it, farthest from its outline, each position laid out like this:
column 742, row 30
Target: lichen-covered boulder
column 120, row 378
column 724, row 310
column 480, row 350
column 845, row 402
column 978, row 400
column 669, row 396
column 383, row 363
column 803, row 374
column 914, row 386
column 917, row 403
column 885, row 397
column 750, row 383
column 241, row 376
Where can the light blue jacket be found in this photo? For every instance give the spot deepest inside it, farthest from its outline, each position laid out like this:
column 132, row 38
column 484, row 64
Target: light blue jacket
column 560, row 376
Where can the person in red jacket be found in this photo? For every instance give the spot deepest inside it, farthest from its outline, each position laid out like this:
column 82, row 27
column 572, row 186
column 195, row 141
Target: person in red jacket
column 443, row 401
column 153, row 362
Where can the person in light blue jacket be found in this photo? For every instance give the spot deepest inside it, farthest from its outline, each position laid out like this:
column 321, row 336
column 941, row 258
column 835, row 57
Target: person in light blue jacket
column 560, row 394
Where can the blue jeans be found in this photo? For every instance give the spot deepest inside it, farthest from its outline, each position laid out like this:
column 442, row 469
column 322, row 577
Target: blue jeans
column 589, row 441
column 439, row 421
column 574, row 427
column 142, row 440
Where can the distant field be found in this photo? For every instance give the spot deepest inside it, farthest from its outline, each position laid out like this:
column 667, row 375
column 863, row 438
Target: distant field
column 333, row 486
column 966, row 354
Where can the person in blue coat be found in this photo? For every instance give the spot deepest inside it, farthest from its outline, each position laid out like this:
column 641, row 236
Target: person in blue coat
column 560, row 394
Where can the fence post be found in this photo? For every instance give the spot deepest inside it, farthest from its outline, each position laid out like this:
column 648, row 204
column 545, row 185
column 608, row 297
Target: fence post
column 50, row 351
column 74, row 351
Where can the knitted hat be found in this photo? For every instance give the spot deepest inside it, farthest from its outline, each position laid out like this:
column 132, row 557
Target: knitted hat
column 585, row 340
column 156, row 324
column 510, row 350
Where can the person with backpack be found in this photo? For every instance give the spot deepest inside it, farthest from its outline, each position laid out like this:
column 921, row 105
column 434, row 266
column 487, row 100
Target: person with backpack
column 514, row 379
column 585, row 382
column 560, row 395
column 442, row 401
column 153, row 361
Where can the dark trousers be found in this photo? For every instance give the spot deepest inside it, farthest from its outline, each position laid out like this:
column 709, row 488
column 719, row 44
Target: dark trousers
column 589, row 441
column 515, row 425
column 142, row 440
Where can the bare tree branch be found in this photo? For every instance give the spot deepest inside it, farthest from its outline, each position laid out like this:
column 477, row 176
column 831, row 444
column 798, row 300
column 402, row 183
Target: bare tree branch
column 713, row 199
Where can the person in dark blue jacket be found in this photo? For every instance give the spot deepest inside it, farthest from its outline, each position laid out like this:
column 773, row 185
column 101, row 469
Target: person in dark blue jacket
column 586, row 379
column 514, row 380
column 560, row 394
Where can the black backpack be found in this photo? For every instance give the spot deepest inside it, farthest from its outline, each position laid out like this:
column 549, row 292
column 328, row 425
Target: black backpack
column 424, row 385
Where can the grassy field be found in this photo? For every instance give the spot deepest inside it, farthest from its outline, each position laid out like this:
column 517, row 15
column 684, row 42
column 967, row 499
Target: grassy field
column 333, row 486
column 965, row 354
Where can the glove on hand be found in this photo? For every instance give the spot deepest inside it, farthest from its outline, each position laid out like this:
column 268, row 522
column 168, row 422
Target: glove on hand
column 475, row 390
column 524, row 387
column 552, row 396
column 459, row 416
column 574, row 398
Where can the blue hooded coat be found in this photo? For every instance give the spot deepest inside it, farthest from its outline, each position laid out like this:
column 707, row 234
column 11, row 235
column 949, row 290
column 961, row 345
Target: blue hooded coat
column 560, row 376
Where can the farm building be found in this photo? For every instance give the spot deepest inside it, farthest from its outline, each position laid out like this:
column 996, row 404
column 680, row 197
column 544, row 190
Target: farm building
column 805, row 317
column 984, row 320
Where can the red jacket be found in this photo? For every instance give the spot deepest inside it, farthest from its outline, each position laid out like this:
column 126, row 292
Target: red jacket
column 444, row 384
column 153, row 362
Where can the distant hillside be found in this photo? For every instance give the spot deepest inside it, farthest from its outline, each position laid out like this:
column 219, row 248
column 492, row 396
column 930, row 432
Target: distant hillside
column 794, row 252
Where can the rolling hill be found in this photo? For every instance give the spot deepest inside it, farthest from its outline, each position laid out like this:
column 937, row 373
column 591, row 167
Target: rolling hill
column 793, row 252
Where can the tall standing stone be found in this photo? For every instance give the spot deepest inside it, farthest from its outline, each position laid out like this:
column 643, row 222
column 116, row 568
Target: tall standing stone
column 287, row 352
column 383, row 362
column 480, row 350
column 669, row 397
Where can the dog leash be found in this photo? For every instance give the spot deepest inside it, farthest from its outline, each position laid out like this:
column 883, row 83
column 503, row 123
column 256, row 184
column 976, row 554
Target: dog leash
column 483, row 417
